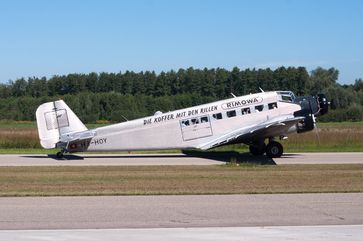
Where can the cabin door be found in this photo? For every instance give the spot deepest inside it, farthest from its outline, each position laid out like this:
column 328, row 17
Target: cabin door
column 194, row 128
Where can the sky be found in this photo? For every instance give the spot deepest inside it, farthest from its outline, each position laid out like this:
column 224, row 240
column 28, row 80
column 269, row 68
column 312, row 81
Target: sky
column 46, row 38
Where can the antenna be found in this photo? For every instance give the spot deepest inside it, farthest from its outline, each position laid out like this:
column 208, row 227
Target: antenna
column 261, row 90
column 233, row 95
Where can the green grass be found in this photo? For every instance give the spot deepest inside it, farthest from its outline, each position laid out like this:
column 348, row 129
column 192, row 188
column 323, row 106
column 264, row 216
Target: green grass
column 6, row 124
column 26, row 151
column 177, row 180
column 346, row 124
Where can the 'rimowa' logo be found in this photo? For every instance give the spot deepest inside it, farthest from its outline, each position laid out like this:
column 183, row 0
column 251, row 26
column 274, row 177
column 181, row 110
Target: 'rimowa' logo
column 238, row 103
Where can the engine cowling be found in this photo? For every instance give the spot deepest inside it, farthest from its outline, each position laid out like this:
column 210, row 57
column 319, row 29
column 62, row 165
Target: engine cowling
column 323, row 104
column 311, row 106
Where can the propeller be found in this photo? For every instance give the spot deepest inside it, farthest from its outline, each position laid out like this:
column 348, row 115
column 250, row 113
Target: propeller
column 333, row 104
column 323, row 104
column 316, row 130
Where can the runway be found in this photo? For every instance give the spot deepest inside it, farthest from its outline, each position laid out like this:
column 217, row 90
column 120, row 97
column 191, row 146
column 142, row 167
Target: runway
column 181, row 211
column 176, row 159
column 335, row 216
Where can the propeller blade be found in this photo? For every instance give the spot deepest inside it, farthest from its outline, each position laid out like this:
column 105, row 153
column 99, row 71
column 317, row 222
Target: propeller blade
column 316, row 130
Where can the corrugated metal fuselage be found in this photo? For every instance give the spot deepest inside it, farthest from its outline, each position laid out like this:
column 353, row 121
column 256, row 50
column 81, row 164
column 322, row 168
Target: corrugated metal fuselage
column 191, row 127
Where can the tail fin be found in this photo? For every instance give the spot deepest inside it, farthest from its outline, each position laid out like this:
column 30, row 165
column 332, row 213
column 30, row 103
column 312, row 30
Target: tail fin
column 55, row 119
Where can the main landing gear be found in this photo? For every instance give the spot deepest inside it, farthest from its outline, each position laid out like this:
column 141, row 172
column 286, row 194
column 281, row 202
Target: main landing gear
column 273, row 149
column 60, row 154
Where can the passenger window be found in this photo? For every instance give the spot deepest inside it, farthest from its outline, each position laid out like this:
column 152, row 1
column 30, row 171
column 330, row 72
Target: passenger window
column 231, row 113
column 185, row 123
column 246, row 111
column 217, row 116
column 259, row 108
column 194, row 121
column 272, row 106
column 204, row 119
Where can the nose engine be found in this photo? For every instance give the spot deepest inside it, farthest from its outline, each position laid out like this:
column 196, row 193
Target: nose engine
column 311, row 106
column 323, row 104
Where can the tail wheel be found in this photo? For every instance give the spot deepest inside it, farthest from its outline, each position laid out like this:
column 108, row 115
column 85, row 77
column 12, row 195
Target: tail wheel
column 257, row 150
column 274, row 149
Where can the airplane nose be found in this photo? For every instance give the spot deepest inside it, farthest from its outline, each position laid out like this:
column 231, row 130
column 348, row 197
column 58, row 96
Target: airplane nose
column 311, row 106
column 314, row 105
column 323, row 104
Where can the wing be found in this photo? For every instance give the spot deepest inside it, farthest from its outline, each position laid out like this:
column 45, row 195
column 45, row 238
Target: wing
column 269, row 128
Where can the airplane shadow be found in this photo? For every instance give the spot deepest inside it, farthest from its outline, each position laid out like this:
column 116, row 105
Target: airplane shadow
column 231, row 157
column 53, row 156
column 66, row 157
column 222, row 156
column 136, row 156
column 291, row 155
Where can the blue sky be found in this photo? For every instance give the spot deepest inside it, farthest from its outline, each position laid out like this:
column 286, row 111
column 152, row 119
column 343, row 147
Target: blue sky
column 46, row 38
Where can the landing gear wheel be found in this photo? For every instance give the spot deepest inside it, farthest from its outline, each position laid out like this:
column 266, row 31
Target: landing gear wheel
column 257, row 150
column 59, row 155
column 274, row 149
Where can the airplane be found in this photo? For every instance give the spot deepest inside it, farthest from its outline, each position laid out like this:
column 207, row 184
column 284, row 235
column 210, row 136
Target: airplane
column 251, row 119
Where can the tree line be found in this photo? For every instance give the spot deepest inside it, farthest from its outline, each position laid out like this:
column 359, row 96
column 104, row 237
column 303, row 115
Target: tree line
column 116, row 96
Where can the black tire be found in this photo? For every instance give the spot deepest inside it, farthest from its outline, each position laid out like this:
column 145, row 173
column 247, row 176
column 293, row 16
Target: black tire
column 274, row 149
column 257, row 150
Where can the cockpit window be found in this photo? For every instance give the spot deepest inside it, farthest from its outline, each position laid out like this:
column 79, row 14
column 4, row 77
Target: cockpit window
column 286, row 96
column 272, row 106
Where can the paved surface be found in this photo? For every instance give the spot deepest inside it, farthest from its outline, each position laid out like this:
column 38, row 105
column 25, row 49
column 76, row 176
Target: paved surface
column 176, row 159
column 181, row 211
column 321, row 158
column 227, row 217
column 105, row 160
column 302, row 233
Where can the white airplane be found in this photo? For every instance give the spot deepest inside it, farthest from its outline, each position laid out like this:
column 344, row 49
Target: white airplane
column 249, row 119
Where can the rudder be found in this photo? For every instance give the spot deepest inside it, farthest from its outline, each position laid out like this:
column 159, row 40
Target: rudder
column 55, row 119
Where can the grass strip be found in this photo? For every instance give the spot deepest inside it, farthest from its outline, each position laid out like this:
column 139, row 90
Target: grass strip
column 177, row 180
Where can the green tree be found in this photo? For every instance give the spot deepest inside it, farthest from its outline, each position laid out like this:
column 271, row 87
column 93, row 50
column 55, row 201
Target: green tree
column 320, row 79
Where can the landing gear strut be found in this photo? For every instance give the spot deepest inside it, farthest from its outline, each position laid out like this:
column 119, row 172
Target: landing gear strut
column 274, row 149
column 60, row 154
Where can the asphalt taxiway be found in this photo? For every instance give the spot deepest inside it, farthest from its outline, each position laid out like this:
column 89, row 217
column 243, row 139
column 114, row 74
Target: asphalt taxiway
column 176, row 159
column 333, row 217
column 181, row 211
